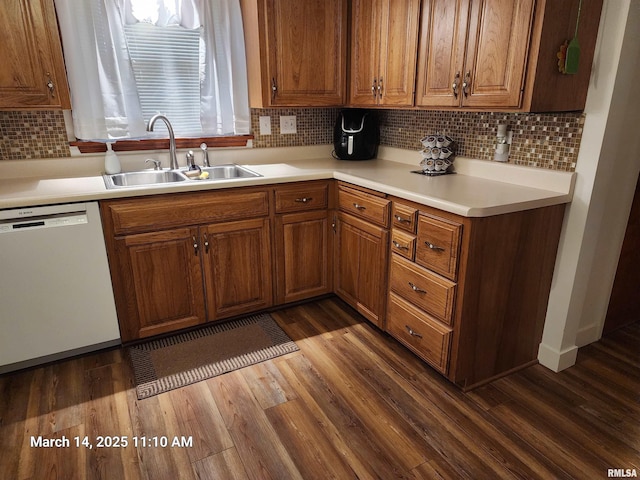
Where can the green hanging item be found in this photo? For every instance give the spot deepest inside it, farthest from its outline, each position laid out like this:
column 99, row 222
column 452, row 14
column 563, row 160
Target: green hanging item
column 573, row 50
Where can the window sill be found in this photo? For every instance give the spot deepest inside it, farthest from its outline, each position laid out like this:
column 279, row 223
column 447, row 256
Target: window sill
column 162, row 143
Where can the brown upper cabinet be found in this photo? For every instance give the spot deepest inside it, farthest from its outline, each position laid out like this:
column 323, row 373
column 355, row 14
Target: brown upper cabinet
column 502, row 54
column 384, row 42
column 32, row 74
column 296, row 52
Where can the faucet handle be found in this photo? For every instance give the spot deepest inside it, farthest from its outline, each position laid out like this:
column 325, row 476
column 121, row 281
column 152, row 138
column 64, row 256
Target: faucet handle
column 190, row 161
column 205, row 155
column 157, row 164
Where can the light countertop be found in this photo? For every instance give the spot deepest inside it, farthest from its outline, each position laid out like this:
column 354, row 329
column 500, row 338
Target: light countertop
column 478, row 189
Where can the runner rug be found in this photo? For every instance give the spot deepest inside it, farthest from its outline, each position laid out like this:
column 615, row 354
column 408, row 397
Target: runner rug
column 173, row 362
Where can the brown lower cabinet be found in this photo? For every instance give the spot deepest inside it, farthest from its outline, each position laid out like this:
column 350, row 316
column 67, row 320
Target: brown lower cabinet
column 183, row 259
column 467, row 295
column 361, row 265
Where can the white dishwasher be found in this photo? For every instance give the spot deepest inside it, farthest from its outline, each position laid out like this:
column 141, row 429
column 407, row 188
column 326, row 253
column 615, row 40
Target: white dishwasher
column 56, row 298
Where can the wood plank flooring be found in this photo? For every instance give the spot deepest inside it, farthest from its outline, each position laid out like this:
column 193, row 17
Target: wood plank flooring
column 352, row 403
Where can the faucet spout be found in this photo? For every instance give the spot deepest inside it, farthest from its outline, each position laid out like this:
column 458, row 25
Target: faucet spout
column 172, row 138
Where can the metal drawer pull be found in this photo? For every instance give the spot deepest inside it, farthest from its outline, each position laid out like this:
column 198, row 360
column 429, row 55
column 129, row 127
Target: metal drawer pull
column 359, row 207
column 400, row 246
column 433, row 247
column 412, row 332
column 416, row 289
column 304, row 199
column 402, row 220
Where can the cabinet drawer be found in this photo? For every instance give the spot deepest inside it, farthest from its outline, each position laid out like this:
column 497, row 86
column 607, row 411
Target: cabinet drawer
column 403, row 243
column 438, row 244
column 168, row 211
column 426, row 337
column 404, row 217
column 432, row 293
column 364, row 205
column 301, row 197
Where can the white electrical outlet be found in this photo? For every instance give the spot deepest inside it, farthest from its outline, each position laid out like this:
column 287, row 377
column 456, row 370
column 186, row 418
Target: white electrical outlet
column 265, row 125
column 288, row 124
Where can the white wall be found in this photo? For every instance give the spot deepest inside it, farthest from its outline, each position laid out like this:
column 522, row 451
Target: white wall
column 607, row 171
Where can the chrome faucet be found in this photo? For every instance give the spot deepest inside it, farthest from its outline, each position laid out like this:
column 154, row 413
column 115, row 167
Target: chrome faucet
column 172, row 138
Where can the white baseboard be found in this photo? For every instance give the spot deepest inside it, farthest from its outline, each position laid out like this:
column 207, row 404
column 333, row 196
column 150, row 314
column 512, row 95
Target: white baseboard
column 557, row 360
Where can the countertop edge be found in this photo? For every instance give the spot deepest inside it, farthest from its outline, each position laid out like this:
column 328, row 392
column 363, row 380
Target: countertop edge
column 27, row 192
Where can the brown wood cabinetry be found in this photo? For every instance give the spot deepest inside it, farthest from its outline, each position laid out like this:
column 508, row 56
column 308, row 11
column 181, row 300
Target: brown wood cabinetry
column 361, row 252
column 237, row 258
column 496, row 54
column 303, row 243
column 296, row 52
column 180, row 260
column 33, row 73
column 473, row 52
column 384, row 39
column 475, row 307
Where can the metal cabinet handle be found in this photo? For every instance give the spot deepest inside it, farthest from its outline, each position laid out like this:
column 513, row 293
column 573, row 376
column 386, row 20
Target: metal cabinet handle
column 412, row 332
column 359, row 207
column 304, row 199
column 466, row 84
column 433, row 247
column 274, row 88
column 206, row 243
column 374, row 87
column 455, row 84
column 50, row 85
column 402, row 220
column 416, row 289
column 380, row 87
column 195, row 245
column 399, row 245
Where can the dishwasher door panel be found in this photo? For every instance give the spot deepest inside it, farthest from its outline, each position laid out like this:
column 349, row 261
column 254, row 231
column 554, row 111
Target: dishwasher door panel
column 56, row 297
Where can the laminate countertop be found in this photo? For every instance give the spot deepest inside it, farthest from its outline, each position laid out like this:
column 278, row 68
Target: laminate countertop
column 477, row 189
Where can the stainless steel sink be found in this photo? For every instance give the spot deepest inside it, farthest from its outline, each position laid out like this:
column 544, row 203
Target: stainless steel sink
column 140, row 179
column 224, row 172
column 162, row 177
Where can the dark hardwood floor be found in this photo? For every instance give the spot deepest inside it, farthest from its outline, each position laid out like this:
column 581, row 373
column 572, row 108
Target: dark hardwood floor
column 352, row 403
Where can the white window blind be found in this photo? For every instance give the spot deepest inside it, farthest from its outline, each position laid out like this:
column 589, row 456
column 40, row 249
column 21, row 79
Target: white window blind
column 166, row 67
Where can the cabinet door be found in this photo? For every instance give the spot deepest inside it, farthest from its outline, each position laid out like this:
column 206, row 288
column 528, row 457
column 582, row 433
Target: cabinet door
column 302, row 256
column 383, row 51
column 32, row 73
column 441, row 54
column 361, row 266
column 366, row 23
column 237, row 259
column 306, row 49
column 398, row 46
column 498, row 41
column 161, row 283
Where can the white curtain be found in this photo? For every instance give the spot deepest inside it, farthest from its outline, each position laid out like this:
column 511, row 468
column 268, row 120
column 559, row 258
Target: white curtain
column 104, row 97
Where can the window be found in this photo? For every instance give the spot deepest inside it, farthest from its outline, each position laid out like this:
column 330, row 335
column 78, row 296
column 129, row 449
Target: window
column 166, row 63
column 130, row 59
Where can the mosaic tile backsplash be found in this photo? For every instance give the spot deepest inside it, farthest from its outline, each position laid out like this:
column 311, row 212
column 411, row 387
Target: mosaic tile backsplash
column 548, row 140
column 33, row 134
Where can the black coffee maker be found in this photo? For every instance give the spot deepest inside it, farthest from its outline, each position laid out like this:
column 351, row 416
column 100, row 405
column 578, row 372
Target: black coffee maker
column 356, row 135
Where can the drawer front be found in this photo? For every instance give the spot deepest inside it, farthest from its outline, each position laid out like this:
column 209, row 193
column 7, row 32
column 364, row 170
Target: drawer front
column 432, row 293
column 301, row 197
column 368, row 207
column 426, row 337
column 438, row 244
column 403, row 244
column 404, row 217
column 168, row 211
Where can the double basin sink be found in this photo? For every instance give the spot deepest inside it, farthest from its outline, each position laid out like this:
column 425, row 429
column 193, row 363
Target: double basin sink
column 163, row 177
